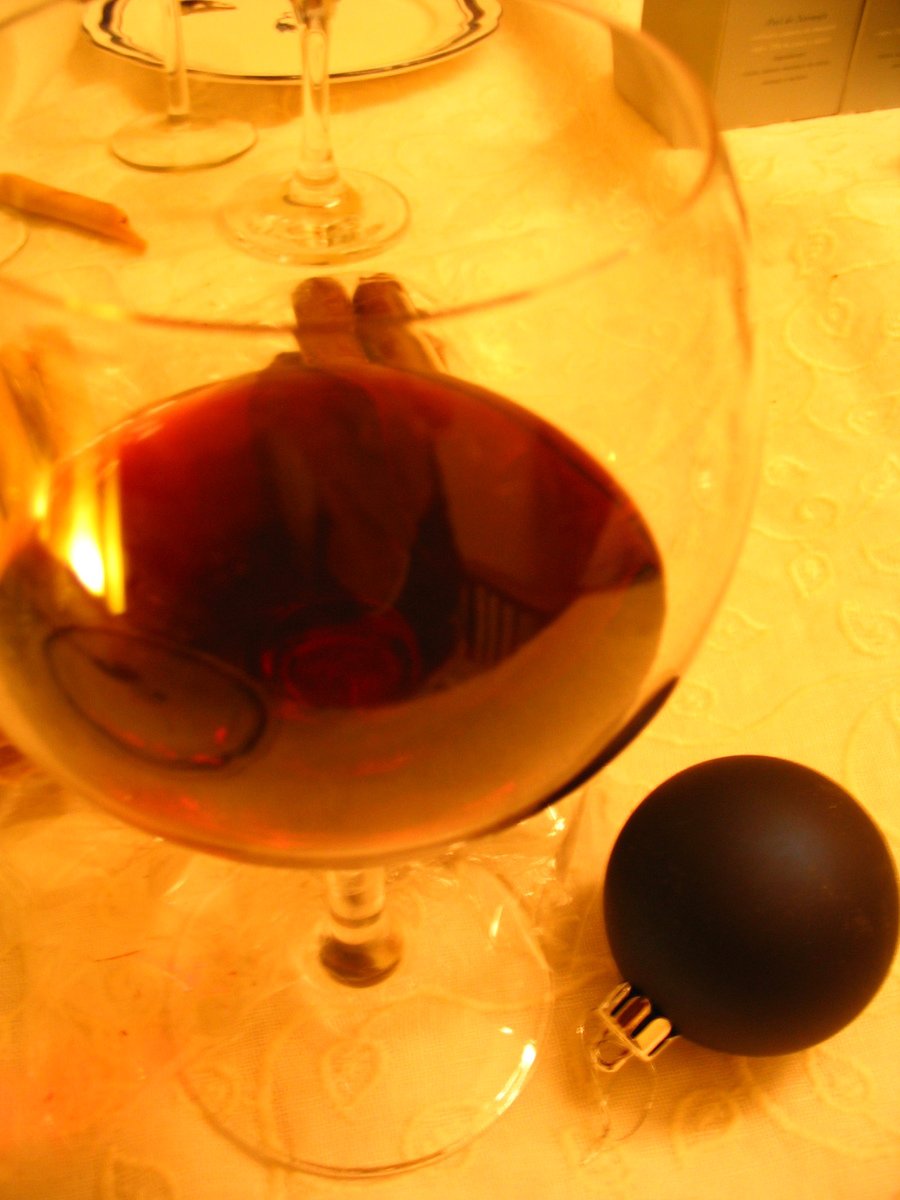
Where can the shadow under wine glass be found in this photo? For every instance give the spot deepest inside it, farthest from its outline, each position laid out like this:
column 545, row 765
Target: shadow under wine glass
column 179, row 139
column 347, row 590
column 13, row 235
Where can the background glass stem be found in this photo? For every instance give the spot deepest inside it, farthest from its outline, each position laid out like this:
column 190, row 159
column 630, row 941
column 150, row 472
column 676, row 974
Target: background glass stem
column 316, row 179
column 178, row 101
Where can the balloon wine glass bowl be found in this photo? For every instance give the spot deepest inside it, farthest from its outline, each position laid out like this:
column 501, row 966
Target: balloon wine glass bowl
column 330, row 595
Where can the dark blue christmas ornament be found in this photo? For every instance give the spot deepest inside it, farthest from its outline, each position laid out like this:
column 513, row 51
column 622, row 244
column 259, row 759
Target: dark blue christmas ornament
column 752, row 905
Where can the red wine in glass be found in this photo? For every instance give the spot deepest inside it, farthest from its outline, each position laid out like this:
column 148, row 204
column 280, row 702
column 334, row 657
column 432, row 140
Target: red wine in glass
column 324, row 616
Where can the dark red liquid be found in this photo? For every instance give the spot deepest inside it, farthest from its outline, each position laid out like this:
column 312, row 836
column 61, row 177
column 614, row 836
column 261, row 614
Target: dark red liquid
column 327, row 616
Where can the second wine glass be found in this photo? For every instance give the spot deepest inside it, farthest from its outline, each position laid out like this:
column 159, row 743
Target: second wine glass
column 319, row 213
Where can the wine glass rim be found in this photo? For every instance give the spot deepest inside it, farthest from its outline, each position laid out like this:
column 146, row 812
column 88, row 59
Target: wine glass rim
column 709, row 143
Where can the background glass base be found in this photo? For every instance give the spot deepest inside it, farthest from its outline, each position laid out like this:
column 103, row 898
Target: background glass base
column 163, row 143
column 261, row 220
column 312, row 1075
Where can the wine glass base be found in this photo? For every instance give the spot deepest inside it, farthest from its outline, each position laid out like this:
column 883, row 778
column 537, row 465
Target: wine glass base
column 163, row 143
column 13, row 235
column 261, row 219
column 312, row 1075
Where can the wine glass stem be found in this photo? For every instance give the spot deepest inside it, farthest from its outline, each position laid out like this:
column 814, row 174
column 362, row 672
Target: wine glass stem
column 316, row 179
column 359, row 945
column 178, row 101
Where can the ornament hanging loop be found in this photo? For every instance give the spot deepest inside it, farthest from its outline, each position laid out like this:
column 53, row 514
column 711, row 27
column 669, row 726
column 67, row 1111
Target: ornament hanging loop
column 624, row 1029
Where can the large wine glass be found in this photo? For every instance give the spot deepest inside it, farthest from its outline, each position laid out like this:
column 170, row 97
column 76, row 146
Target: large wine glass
column 327, row 574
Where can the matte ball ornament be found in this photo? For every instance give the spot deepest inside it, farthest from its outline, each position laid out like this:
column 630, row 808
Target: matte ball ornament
column 754, row 903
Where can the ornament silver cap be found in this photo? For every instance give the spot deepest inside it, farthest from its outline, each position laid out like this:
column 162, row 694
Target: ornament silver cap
column 625, row 1026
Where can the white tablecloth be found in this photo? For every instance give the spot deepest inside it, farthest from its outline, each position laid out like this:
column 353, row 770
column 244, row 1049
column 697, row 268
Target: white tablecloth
column 802, row 661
